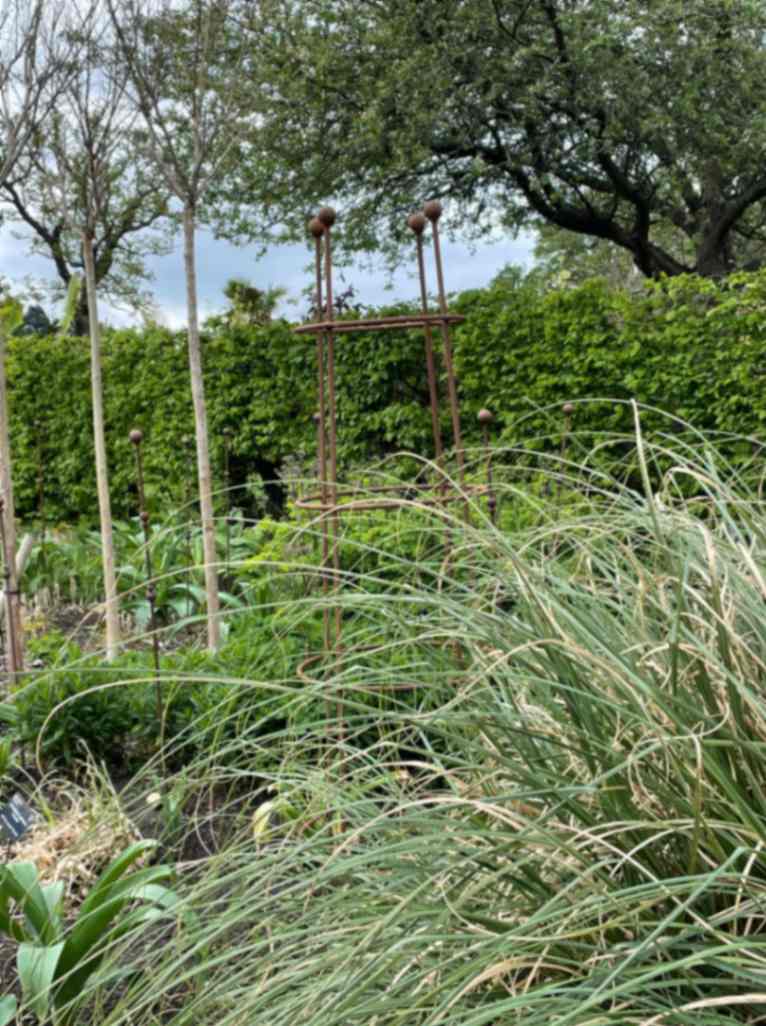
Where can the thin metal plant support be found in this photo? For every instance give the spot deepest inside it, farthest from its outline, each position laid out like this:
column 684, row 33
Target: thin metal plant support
column 136, row 437
column 485, row 418
column 567, row 409
column 14, row 660
column 41, row 497
column 227, row 480
column 188, row 443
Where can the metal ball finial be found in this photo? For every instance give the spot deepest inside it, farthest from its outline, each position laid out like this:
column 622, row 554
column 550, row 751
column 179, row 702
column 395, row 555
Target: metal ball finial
column 433, row 210
column 568, row 409
column 485, row 416
column 326, row 217
column 136, row 436
column 417, row 222
column 316, row 227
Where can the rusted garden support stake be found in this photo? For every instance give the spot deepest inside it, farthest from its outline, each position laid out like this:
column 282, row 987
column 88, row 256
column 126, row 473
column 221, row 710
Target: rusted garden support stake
column 485, row 418
column 417, row 224
column 14, row 660
column 188, row 447
column 433, row 211
column 328, row 414
column 39, row 433
column 567, row 409
column 227, row 433
column 136, row 437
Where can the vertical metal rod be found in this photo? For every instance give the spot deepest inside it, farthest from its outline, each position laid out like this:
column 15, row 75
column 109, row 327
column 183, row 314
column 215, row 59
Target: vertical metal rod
column 136, row 437
column 417, row 223
column 327, row 217
column 227, row 485
column 187, row 442
column 485, row 418
column 13, row 662
column 567, row 410
column 41, row 494
column 433, row 211
column 317, row 230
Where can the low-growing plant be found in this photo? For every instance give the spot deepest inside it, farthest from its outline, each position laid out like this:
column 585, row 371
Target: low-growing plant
column 57, row 958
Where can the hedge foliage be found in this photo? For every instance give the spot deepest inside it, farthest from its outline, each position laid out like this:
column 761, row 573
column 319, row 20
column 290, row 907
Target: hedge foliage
column 695, row 348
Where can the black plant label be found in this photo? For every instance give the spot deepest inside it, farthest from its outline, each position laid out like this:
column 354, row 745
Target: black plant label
column 15, row 819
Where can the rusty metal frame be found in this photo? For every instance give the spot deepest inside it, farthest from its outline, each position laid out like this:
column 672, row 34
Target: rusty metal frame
column 331, row 501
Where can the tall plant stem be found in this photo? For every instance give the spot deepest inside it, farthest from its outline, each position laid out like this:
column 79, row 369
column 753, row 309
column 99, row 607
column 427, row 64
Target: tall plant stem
column 200, row 425
column 99, row 440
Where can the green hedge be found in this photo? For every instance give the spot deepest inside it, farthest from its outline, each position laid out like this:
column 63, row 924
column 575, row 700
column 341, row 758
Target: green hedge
column 693, row 347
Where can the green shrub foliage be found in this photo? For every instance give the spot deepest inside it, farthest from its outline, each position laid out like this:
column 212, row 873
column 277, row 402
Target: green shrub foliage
column 692, row 347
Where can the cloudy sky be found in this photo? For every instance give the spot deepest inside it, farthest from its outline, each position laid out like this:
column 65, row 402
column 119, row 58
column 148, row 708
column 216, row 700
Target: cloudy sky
column 284, row 266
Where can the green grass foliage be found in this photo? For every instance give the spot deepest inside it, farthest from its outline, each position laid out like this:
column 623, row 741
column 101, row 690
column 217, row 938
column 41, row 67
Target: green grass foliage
column 545, row 805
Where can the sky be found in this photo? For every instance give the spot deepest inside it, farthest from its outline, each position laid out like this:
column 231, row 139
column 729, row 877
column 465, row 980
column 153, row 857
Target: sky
column 283, row 266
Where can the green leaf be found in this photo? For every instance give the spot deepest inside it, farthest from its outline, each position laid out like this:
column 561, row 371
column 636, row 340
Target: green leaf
column 37, row 970
column 19, row 881
column 113, row 872
column 9, row 714
column 8, row 1005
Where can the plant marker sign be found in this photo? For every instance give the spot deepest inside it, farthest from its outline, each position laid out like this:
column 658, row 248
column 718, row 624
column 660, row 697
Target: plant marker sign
column 15, row 819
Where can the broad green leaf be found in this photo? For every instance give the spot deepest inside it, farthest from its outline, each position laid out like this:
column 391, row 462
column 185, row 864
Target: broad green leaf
column 37, row 970
column 116, row 869
column 8, row 1005
column 19, row 881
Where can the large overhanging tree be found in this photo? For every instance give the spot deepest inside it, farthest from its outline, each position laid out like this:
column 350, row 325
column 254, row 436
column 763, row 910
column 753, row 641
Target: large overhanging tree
column 638, row 122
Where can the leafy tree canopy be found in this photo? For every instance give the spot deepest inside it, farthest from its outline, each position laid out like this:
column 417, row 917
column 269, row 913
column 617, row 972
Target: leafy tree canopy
column 636, row 122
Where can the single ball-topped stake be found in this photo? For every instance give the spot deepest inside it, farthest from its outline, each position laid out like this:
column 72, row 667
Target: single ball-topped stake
column 316, row 227
column 326, row 217
column 417, row 223
column 136, row 436
column 568, row 409
column 433, row 210
column 485, row 416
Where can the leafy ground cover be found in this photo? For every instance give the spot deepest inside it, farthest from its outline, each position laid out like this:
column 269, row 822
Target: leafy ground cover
column 543, row 802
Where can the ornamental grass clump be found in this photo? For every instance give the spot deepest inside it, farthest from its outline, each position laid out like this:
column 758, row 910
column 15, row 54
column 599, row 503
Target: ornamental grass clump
column 561, row 819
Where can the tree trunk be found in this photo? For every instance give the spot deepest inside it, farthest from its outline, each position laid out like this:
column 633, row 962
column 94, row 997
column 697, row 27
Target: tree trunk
column 13, row 610
column 102, row 474
column 200, row 425
column 80, row 326
column 25, row 551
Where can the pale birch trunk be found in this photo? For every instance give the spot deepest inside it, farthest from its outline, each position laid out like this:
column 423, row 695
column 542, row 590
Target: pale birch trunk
column 13, row 610
column 102, row 473
column 200, row 425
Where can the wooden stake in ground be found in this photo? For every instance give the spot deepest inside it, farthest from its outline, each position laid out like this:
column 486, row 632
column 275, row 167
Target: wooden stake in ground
column 200, row 421
column 112, row 611
column 11, row 315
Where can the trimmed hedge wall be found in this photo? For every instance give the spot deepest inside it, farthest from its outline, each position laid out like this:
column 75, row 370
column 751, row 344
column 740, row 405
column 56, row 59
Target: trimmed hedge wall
column 693, row 347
